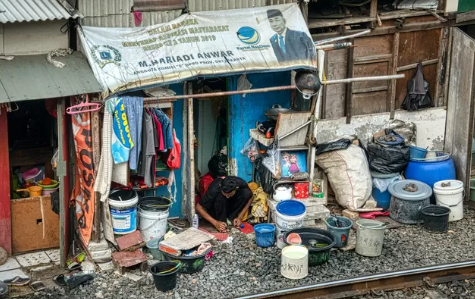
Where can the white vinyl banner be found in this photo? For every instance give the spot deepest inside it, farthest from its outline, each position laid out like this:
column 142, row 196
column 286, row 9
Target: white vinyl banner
column 214, row 43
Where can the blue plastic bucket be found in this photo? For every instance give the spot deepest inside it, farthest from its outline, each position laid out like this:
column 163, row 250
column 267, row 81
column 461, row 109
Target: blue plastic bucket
column 123, row 208
column 383, row 199
column 417, row 152
column 264, row 234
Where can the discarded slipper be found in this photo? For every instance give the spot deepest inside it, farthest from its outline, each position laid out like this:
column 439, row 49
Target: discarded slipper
column 3, row 289
column 75, row 281
column 18, row 281
column 74, row 266
column 37, row 286
column 60, row 280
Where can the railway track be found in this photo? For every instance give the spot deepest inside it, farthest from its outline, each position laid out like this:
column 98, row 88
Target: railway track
column 375, row 283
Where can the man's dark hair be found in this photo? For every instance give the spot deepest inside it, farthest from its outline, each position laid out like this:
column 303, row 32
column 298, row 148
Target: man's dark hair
column 228, row 185
column 274, row 13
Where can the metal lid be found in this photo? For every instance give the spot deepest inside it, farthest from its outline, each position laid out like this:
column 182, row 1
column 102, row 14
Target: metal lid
column 422, row 190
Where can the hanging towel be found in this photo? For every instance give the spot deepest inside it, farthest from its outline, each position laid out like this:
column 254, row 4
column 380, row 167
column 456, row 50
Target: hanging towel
column 121, row 138
column 134, row 110
column 104, row 173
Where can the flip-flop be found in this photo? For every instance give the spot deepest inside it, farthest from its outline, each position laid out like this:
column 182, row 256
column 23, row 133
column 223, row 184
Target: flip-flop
column 60, row 280
column 75, row 281
column 18, row 281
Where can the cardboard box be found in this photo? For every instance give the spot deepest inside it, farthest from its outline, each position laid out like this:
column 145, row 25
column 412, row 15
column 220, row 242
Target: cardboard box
column 28, row 221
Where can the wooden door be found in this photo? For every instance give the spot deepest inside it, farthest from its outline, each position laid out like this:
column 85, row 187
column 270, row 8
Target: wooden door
column 460, row 103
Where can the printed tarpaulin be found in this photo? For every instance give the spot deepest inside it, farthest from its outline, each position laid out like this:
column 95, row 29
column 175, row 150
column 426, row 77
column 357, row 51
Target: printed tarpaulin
column 208, row 43
column 121, row 137
column 83, row 191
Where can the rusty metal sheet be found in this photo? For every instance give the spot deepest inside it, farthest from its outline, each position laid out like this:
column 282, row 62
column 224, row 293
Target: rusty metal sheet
column 129, row 258
column 158, row 5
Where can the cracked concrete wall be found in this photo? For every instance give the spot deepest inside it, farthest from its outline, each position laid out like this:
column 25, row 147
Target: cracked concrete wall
column 430, row 126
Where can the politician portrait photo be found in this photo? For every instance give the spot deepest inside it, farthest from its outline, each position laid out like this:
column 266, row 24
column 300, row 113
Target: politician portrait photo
column 289, row 44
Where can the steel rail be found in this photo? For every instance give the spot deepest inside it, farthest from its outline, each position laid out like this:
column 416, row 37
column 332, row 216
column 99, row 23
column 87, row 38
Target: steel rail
column 375, row 282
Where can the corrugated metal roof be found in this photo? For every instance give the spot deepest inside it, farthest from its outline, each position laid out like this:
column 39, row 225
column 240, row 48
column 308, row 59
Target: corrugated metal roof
column 211, row 5
column 35, row 10
column 32, row 77
column 116, row 13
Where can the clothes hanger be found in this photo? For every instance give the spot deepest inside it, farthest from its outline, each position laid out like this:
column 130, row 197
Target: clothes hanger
column 84, row 106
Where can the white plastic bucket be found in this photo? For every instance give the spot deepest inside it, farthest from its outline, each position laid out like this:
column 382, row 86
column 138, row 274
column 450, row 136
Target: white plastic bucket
column 153, row 224
column 369, row 237
column 124, row 215
column 451, row 197
column 290, row 215
column 294, row 263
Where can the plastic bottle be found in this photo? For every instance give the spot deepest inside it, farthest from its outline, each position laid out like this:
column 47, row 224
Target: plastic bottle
column 196, row 221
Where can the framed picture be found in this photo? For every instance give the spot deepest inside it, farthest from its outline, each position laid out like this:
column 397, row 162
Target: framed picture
column 292, row 162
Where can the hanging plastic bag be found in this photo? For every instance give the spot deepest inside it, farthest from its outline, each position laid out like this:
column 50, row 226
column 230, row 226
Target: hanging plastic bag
column 251, row 149
column 417, row 96
column 272, row 158
column 174, row 160
column 382, row 184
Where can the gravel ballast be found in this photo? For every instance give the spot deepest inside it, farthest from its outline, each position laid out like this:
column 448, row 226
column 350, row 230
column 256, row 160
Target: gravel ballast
column 242, row 268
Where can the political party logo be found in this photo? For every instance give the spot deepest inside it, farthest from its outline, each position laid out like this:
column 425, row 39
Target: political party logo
column 104, row 54
column 248, row 35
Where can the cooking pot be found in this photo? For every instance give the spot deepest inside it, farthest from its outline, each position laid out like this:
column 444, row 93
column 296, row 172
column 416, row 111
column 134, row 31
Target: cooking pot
column 308, row 83
column 273, row 113
column 33, row 190
column 282, row 193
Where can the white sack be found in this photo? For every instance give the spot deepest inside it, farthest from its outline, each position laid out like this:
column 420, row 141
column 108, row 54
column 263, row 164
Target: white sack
column 348, row 173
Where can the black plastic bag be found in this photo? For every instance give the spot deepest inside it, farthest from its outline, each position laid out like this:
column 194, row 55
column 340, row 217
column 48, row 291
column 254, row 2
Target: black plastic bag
column 218, row 165
column 388, row 159
column 340, row 144
column 417, row 96
column 265, row 175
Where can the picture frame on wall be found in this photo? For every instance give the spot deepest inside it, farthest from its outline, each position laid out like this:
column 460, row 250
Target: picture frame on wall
column 292, row 162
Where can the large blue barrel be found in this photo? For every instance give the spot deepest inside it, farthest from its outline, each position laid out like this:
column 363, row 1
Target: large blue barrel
column 430, row 171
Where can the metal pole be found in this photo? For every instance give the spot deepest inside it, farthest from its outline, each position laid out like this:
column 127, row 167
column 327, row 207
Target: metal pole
column 220, row 94
column 336, row 46
column 334, row 39
column 321, row 60
column 375, row 78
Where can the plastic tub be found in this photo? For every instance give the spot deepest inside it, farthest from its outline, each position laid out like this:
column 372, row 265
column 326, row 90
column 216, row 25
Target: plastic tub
column 294, row 264
column 342, row 233
column 383, row 199
column 189, row 264
column 417, row 152
column 164, row 275
column 318, row 253
column 123, row 207
column 264, row 234
column 290, row 215
column 369, row 237
column 153, row 214
column 436, row 218
column 451, row 197
column 406, row 205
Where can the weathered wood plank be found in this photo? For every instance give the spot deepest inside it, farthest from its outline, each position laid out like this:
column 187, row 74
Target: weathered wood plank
column 96, row 149
column 370, row 89
column 392, row 90
column 289, row 121
column 460, row 105
column 349, row 86
column 337, row 61
column 373, row 58
column 5, row 214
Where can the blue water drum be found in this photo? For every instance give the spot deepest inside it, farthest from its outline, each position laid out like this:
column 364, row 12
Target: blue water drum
column 431, row 170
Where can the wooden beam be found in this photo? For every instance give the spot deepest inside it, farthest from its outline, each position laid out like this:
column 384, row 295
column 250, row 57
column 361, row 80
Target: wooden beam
column 324, row 90
column 373, row 58
column 392, row 91
column 414, row 65
column 96, row 157
column 447, row 68
column 312, row 24
column 5, row 214
column 465, row 16
column 349, row 86
column 373, row 11
column 370, row 89
column 439, row 67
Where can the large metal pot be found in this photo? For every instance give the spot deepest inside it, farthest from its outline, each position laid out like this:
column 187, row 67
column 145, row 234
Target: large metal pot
column 408, row 199
column 273, row 113
column 308, row 83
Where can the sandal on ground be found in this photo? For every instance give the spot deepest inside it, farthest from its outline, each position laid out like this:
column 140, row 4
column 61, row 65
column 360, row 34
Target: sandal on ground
column 18, row 281
column 75, row 281
column 60, row 280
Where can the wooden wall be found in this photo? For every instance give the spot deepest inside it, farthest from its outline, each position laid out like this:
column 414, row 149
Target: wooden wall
column 385, row 51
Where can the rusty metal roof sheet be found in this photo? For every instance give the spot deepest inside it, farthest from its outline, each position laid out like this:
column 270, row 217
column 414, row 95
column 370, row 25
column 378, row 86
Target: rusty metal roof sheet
column 35, row 10
column 31, row 77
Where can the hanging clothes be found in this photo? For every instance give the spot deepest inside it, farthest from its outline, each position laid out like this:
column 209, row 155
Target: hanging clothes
column 134, row 110
column 166, row 128
column 158, row 125
column 157, row 138
column 148, row 149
